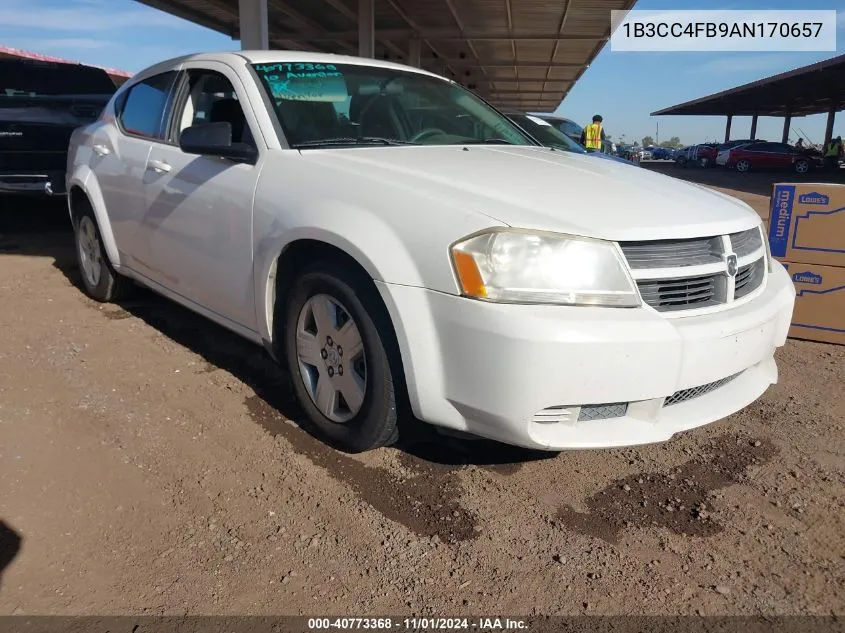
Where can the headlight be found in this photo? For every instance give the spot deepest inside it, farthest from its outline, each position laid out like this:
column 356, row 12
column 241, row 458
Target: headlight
column 516, row 266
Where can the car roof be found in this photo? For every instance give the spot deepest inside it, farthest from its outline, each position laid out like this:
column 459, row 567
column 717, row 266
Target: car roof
column 273, row 57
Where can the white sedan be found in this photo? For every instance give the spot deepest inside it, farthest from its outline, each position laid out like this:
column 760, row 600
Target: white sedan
column 401, row 247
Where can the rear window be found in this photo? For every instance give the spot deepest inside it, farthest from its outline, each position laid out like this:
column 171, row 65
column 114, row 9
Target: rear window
column 33, row 79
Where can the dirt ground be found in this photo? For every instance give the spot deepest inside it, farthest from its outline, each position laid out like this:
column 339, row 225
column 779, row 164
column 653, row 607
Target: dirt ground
column 147, row 466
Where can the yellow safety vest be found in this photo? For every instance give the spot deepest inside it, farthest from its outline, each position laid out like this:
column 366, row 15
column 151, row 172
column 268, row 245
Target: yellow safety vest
column 593, row 134
column 833, row 149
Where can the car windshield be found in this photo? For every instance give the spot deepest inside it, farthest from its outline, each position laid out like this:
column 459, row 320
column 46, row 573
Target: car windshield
column 347, row 105
column 546, row 133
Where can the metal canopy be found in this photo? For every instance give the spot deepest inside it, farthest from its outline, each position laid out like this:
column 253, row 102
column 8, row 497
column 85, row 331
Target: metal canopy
column 813, row 89
column 524, row 54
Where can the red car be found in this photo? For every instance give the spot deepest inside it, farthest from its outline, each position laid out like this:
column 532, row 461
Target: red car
column 768, row 156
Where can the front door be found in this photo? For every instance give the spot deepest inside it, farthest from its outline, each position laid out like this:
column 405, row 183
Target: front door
column 196, row 234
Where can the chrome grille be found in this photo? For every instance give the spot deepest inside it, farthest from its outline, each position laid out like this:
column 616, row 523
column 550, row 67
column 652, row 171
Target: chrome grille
column 684, row 293
column 602, row 411
column 748, row 278
column 674, row 276
column 672, row 253
column 684, row 395
column 746, row 243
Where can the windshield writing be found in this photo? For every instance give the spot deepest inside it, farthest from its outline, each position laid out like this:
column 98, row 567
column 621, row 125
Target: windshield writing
column 347, row 105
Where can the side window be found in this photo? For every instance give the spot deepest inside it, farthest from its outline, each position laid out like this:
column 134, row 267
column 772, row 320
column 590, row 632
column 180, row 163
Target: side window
column 142, row 108
column 212, row 98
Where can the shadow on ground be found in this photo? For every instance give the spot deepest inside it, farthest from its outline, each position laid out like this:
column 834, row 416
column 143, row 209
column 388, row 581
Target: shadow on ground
column 10, row 545
column 32, row 227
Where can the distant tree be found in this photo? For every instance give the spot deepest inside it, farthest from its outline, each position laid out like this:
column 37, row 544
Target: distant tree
column 672, row 143
column 648, row 141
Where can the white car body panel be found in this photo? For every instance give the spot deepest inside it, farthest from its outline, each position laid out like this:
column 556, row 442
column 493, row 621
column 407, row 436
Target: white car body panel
column 208, row 234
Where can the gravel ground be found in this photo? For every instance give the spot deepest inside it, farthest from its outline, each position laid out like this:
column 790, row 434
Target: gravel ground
column 149, row 465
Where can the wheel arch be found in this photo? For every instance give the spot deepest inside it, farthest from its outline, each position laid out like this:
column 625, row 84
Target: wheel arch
column 83, row 189
column 282, row 272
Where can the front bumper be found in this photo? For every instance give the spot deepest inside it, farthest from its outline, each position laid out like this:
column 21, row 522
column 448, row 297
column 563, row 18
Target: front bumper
column 520, row 374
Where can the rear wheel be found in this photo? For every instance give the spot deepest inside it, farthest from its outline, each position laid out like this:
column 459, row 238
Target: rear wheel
column 338, row 359
column 743, row 165
column 99, row 278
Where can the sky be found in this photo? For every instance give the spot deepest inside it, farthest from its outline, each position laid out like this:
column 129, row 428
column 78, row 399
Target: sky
column 624, row 87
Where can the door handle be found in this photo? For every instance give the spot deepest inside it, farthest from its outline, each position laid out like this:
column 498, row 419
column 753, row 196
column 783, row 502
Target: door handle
column 159, row 166
column 102, row 150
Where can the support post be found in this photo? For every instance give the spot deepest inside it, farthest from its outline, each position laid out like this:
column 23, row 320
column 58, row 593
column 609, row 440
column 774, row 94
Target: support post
column 366, row 29
column 787, row 123
column 415, row 52
column 728, row 128
column 255, row 32
column 828, row 131
column 753, row 127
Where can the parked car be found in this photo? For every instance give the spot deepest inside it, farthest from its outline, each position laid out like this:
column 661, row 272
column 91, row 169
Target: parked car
column 774, row 156
column 662, row 153
column 454, row 270
column 705, row 154
column 567, row 126
column 723, row 149
column 40, row 105
column 548, row 135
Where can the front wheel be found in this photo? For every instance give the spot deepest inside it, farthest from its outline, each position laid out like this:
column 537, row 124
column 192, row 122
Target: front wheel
column 802, row 166
column 743, row 165
column 338, row 359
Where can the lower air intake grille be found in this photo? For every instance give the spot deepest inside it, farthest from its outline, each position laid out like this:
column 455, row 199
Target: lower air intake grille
column 683, row 293
column 695, row 392
column 602, row 411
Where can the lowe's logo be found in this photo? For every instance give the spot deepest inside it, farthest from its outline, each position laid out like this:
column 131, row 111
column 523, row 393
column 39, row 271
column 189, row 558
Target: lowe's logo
column 807, row 278
column 814, row 198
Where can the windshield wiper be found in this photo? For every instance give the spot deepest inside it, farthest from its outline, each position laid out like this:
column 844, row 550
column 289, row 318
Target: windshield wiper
column 364, row 140
column 484, row 141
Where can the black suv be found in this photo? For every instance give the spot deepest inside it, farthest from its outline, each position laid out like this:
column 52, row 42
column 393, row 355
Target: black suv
column 41, row 103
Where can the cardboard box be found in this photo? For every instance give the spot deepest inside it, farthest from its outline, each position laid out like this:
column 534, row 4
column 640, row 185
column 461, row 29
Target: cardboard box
column 819, row 313
column 807, row 223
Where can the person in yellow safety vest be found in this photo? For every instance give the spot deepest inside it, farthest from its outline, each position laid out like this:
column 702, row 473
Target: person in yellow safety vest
column 833, row 152
column 593, row 135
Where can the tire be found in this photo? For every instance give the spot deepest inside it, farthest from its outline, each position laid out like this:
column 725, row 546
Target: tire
column 742, row 165
column 361, row 413
column 802, row 166
column 99, row 278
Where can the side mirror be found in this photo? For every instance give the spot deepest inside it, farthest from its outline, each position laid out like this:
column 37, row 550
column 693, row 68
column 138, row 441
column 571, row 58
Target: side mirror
column 215, row 139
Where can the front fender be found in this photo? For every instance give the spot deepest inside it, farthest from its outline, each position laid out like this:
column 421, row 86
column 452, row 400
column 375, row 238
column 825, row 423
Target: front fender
column 355, row 231
column 84, row 179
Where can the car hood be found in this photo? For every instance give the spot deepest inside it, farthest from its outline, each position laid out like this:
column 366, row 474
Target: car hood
column 539, row 188
column 618, row 159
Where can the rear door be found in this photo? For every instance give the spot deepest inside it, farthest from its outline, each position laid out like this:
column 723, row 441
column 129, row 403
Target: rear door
column 121, row 150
